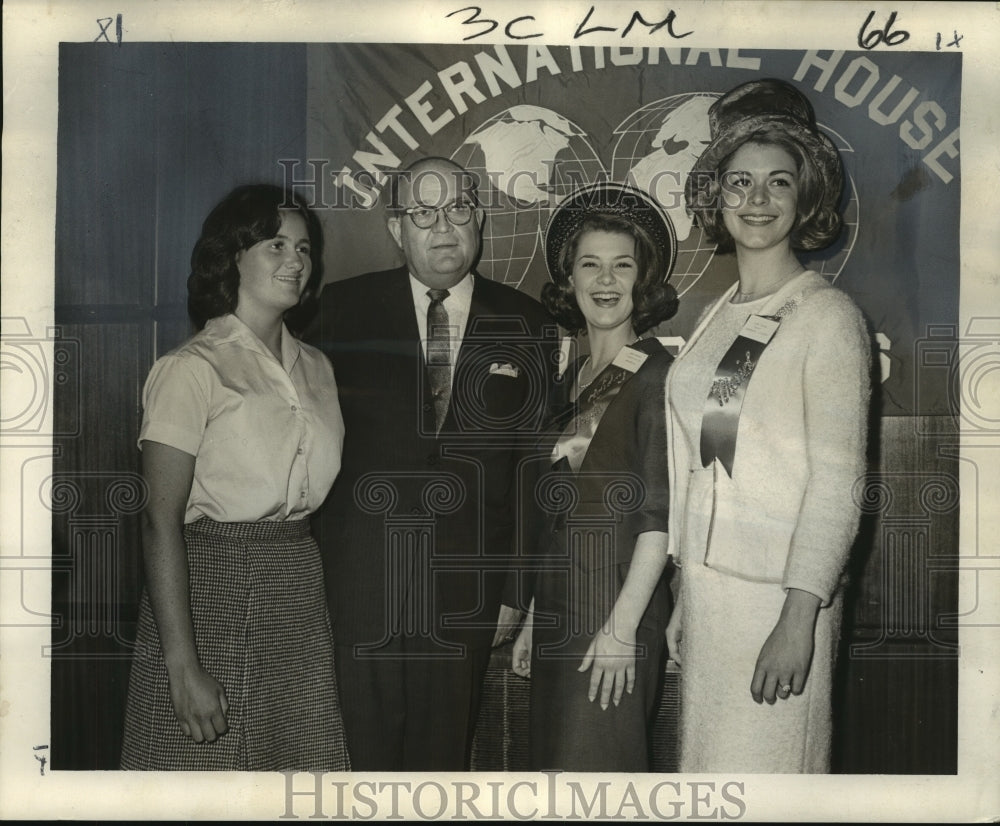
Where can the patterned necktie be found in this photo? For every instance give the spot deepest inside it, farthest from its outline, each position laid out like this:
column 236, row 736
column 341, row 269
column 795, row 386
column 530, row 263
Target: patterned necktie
column 439, row 353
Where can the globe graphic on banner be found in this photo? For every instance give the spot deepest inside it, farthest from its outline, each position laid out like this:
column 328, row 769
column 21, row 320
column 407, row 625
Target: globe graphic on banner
column 657, row 146
column 527, row 159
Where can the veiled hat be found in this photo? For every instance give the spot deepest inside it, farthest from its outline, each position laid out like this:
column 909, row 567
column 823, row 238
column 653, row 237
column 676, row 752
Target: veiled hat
column 618, row 200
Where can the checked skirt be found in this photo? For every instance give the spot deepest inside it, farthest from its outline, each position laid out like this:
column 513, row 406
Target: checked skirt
column 262, row 630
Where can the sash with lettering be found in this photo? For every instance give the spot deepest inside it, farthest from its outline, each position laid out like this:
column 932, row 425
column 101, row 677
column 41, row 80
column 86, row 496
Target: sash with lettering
column 593, row 402
column 720, row 422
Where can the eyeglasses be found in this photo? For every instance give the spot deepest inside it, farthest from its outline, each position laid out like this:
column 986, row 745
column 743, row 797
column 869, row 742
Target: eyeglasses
column 458, row 214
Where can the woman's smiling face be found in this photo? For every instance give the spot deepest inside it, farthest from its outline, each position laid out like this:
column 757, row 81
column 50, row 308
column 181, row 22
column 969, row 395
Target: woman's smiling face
column 274, row 272
column 604, row 272
column 761, row 188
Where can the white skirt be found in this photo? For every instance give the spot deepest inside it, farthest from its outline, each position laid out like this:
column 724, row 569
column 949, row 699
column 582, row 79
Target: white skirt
column 726, row 621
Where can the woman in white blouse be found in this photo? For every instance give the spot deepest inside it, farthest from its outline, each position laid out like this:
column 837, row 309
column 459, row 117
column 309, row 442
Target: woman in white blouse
column 241, row 439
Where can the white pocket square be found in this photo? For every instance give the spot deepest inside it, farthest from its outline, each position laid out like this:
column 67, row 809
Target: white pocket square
column 504, row 370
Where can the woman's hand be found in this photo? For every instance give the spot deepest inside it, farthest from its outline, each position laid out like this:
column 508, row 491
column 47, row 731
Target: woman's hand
column 520, row 658
column 611, row 658
column 675, row 633
column 200, row 704
column 784, row 660
column 611, row 654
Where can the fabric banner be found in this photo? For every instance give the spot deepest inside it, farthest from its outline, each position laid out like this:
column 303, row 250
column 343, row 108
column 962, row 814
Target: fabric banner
column 534, row 122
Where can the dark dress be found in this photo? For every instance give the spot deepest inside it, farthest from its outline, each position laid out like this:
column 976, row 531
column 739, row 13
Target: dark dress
column 594, row 514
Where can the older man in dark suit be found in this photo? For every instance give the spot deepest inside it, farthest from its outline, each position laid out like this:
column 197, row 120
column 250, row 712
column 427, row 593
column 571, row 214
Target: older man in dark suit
column 443, row 378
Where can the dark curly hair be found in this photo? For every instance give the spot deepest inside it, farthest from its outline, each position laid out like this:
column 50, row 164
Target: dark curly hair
column 653, row 301
column 817, row 222
column 246, row 216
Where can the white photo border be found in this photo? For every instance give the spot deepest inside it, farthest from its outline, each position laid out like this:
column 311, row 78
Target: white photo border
column 32, row 32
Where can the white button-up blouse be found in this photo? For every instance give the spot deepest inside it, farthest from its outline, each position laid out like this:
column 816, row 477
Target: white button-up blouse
column 266, row 436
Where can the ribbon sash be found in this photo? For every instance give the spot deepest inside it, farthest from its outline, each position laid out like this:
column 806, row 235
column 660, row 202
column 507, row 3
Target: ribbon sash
column 721, row 420
column 575, row 438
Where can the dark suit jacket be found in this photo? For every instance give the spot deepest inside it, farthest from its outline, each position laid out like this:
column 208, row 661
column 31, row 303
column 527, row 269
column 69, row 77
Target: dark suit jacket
column 420, row 529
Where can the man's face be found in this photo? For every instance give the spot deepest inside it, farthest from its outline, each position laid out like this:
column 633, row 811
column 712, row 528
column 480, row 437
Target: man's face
column 440, row 255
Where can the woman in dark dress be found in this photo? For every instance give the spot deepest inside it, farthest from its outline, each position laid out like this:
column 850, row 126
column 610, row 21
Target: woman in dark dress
column 593, row 643
column 241, row 439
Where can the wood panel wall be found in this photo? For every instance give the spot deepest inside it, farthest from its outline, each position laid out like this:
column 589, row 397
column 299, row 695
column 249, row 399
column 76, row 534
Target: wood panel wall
column 896, row 700
column 151, row 136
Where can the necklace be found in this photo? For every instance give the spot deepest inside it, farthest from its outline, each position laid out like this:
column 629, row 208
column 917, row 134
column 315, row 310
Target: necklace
column 741, row 297
column 594, row 372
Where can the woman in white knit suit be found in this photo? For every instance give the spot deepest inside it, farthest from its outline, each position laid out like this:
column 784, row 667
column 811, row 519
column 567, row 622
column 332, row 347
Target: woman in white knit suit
column 767, row 412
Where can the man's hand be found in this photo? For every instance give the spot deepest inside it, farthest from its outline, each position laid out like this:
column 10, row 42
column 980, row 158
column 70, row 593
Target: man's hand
column 507, row 624
column 520, row 657
column 675, row 632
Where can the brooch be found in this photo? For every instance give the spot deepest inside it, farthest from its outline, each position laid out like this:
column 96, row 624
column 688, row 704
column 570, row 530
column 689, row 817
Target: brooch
column 724, row 389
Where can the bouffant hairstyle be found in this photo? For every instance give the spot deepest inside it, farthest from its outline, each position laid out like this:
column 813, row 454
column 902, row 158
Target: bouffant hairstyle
column 817, row 223
column 653, row 300
column 246, row 216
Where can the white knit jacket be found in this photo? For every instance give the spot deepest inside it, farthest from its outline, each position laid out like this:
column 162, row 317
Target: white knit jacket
column 788, row 513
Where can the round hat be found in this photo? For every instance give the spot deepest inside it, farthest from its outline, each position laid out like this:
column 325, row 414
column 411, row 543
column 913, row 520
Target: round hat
column 757, row 105
column 606, row 198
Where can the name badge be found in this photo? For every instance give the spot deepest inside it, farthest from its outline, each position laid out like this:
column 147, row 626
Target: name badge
column 630, row 359
column 759, row 328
